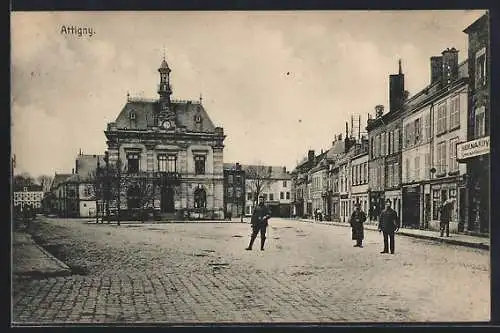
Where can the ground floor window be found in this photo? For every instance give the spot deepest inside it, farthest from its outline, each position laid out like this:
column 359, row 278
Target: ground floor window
column 436, row 202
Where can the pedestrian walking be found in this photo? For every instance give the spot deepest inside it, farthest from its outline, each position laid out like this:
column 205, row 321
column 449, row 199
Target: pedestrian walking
column 444, row 217
column 358, row 217
column 388, row 224
column 259, row 222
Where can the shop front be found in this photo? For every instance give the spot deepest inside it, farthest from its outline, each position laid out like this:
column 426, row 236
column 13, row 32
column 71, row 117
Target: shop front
column 476, row 191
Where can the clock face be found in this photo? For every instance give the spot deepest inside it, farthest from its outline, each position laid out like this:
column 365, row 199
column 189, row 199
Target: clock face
column 166, row 124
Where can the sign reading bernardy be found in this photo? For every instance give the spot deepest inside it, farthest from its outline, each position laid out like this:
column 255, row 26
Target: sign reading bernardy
column 473, row 148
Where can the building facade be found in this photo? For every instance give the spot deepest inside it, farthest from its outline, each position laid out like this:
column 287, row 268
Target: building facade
column 359, row 176
column 174, row 148
column 234, row 190
column 475, row 151
column 28, row 196
column 384, row 132
column 274, row 184
column 447, row 174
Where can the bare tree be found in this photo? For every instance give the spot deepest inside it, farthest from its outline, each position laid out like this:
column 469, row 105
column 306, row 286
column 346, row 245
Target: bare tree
column 45, row 181
column 259, row 179
column 22, row 180
column 145, row 193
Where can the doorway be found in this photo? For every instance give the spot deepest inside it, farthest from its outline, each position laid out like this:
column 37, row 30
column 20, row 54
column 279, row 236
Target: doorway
column 167, row 200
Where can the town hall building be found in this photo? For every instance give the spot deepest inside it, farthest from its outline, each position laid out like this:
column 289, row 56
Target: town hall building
column 172, row 146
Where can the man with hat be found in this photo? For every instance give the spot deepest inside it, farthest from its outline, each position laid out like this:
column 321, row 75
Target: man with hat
column 388, row 224
column 445, row 217
column 259, row 219
column 358, row 217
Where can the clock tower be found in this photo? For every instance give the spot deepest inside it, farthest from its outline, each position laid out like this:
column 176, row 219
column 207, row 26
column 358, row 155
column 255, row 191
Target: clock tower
column 166, row 116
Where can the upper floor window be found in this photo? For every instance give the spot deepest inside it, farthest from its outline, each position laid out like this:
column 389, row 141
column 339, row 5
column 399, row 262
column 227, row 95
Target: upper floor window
column 407, row 136
column 383, row 146
column 284, row 183
column 441, row 157
column 480, row 70
column 455, row 112
column 396, row 140
column 230, row 179
column 427, row 134
column 371, row 147
column 133, row 162
column 441, row 118
column 453, row 154
column 271, row 196
column 287, row 195
column 389, row 142
column 199, row 164
column 479, row 122
column 249, row 196
column 418, row 131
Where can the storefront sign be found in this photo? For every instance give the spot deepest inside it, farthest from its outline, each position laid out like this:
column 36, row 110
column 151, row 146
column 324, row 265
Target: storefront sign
column 473, row 148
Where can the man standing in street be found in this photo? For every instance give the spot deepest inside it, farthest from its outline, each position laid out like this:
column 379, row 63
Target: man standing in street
column 358, row 217
column 388, row 224
column 444, row 217
column 259, row 222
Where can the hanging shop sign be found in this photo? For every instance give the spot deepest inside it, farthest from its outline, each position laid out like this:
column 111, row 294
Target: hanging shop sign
column 473, row 148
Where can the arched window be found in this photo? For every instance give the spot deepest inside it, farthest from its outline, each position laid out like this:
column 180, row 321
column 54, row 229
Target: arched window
column 200, row 198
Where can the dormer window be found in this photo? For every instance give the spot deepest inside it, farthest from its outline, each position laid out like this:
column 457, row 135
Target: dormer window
column 197, row 118
column 131, row 115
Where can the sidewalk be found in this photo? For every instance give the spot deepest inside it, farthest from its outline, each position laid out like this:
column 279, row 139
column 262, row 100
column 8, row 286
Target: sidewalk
column 30, row 259
column 455, row 239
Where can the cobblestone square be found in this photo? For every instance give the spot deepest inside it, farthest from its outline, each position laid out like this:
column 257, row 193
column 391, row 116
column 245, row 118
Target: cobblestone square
column 200, row 272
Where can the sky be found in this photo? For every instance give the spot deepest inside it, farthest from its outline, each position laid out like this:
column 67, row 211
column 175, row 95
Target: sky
column 280, row 83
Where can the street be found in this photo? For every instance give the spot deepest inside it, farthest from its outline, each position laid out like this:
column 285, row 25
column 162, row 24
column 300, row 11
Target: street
column 200, row 272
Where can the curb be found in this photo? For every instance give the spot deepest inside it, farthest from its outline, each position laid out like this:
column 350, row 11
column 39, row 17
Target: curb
column 482, row 246
column 63, row 270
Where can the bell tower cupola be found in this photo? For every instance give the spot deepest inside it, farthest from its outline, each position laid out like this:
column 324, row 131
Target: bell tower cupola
column 164, row 88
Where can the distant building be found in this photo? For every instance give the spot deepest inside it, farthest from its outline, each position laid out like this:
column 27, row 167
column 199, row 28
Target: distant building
column 58, row 204
column 359, row 175
column 276, row 187
column 234, row 190
column 28, row 196
column 475, row 151
column 384, row 135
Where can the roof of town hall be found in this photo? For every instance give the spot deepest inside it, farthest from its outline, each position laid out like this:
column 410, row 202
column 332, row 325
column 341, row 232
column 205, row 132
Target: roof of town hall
column 145, row 110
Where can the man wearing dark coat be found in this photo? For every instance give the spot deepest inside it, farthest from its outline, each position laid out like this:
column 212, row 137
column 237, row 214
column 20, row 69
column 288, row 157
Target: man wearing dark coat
column 445, row 217
column 388, row 224
column 259, row 222
column 358, row 217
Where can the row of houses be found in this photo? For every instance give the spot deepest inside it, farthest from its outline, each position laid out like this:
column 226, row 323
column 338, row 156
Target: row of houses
column 427, row 148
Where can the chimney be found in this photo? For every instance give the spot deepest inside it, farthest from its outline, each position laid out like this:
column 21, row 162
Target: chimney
column 73, row 171
column 396, row 89
column 450, row 65
column 310, row 157
column 284, row 169
column 436, row 69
